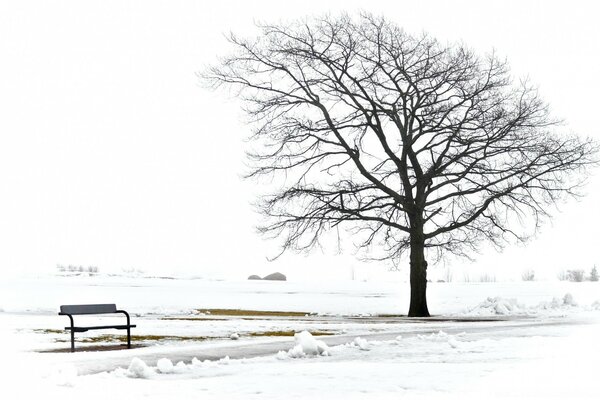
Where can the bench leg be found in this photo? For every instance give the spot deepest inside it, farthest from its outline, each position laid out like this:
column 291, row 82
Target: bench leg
column 72, row 341
column 128, row 338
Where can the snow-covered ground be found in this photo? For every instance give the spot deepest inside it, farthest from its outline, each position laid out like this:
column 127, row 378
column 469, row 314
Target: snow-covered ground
column 535, row 340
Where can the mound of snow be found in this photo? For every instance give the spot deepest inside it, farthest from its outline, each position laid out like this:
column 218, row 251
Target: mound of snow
column 226, row 361
column 139, row 369
column 596, row 305
column 361, row 343
column 306, row 345
column 498, row 306
column 502, row 306
column 180, row 367
column 202, row 364
column 557, row 304
column 164, row 366
column 442, row 336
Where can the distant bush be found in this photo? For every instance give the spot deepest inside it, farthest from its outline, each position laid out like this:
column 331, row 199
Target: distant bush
column 448, row 275
column 528, row 275
column 482, row 278
column 77, row 269
column 562, row 276
column 92, row 269
column 487, row 278
column 594, row 274
column 575, row 275
column 132, row 271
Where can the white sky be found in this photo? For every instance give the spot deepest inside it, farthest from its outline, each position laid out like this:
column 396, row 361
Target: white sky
column 112, row 155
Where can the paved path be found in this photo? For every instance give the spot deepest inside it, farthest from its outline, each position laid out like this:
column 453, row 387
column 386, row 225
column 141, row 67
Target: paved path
column 95, row 362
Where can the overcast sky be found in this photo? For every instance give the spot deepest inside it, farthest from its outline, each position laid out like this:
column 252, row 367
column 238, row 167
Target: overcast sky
column 112, row 154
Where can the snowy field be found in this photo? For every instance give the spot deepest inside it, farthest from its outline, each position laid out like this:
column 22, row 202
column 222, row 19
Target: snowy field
column 519, row 340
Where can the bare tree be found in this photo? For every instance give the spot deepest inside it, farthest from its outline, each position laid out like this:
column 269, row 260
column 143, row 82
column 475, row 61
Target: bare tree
column 412, row 144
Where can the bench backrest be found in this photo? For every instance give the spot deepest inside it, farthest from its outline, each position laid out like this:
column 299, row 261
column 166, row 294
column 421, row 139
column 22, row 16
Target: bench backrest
column 78, row 309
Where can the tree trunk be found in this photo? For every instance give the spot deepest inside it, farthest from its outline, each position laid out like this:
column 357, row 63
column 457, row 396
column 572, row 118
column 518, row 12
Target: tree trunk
column 418, row 274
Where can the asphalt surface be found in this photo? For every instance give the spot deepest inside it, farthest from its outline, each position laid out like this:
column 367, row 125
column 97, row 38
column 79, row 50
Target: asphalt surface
column 90, row 362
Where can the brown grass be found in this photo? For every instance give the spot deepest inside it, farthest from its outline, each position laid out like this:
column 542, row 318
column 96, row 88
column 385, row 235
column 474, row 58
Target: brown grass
column 288, row 333
column 251, row 313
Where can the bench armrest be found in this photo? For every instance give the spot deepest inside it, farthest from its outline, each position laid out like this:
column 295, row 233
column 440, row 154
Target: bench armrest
column 126, row 314
column 70, row 317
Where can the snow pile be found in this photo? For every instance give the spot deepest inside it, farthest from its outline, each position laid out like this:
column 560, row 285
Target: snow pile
column 566, row 302
column 362, row 344
column 502, row 306
column 164, row 366
column 180, row 367
column 442, row 336
column 596, row 305
column 228, row 361
column 139, row 369
column 198, row 363
column 306, row 345
column 497, row 306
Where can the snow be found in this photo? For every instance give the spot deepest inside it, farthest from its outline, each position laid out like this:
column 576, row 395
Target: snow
column 165, row 366
column 361, row 343
column 502, row 306
column 139, row 369
column 535, row 341
column 498, row 306
column 307, row 345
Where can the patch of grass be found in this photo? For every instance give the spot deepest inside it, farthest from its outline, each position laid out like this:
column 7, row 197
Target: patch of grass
column 48, row 331
column 251, row 313
column 390, row 315
column 288, row 333
column 198, row 318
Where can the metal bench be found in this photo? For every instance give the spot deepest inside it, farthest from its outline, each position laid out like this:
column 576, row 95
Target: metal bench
column 87, row 309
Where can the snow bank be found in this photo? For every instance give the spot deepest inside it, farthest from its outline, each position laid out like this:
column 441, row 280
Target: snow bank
column 558, row 303
column 497, row 306
column 306, row 345
column 502, row 306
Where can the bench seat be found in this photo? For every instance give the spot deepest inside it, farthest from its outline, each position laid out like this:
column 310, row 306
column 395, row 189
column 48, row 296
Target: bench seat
column 89, row 328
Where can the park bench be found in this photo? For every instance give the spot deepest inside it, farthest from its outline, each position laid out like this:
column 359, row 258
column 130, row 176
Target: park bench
column 90, row 309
